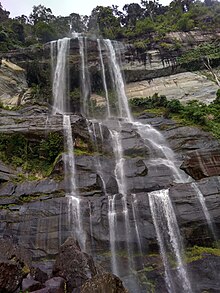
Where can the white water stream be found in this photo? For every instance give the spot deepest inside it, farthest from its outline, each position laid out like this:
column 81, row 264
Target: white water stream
column 164, row 218
column 104, row 79
column 70, row 171
column 205, row 210
column 60, row 76
column 161, row 208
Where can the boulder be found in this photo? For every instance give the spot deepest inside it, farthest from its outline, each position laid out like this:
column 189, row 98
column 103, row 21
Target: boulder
column 29, row 284
column 73, row 265
column 55, row 285
column 202, row 163
column 105, row 282
column 38, row 275
column 15, row 262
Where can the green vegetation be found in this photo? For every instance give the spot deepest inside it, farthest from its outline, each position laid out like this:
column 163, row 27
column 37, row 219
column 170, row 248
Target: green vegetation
column 138, row 23
column 34, row 156
column 196, row 252
column 193, row 113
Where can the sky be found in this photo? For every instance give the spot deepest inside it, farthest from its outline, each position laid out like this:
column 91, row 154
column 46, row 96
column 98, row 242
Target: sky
column 63, row 7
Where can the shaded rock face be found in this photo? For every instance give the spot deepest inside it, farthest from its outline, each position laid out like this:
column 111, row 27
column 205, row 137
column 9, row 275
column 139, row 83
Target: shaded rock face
column 15, row 264
column 73, row 271
column 206, row 277
column 202, row 163
column 73, row 265
column 106, row 282
column 46, row 219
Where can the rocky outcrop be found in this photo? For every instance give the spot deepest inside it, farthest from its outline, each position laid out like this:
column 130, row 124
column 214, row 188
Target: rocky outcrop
column 105, row 282
column 75, row 266
column 183, row 86
column 13, row 84
column 194, row 37
column 38, row 215
column 73, row 271
column 202, row 163
column 14, row 265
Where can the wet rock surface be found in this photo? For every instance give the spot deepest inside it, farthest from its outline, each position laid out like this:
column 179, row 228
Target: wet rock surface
column 15, row 262
column 39, row 216
column 73, row 271
column 106, row 282
column 73, row 265
column 202, row 163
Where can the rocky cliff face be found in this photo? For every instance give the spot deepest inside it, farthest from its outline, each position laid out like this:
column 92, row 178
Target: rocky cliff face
column 182, row 86
column 37, row 215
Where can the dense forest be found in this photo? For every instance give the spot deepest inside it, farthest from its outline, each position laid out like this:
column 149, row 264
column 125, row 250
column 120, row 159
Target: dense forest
column 140, row 24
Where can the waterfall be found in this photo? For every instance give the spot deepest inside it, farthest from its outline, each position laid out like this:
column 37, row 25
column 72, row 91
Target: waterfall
column 163, row 215
column 168, row 236
column 70, row 172
column 60, row 76
column 207, row 215
column 92, row 131
column 104, row 78
column 53, row 56
column 134, row 212
column 122, row 188
column 91, row 227
column 60, row 105
column 118, row 82
column 112, row 218
column 119, row 167
column 85, row 80
column 161, row 153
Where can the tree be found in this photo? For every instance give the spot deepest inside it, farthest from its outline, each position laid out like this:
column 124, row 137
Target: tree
column 133, row 12
column 77, row 22
column 18, row 30
column 184, row 5
column 4, row 15
column 185, row 24
column 207, row 64
column 41, row 13
column 45, row 32
column 103, row 21
column 152, row 8
column 61, row 25
column 23, row 19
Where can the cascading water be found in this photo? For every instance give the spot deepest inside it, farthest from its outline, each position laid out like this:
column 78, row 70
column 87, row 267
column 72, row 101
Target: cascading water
column 60, row 105
column 53, row 56
column 85, row 80
column 165, row 221
column 134, row 212
column 160, row 204
column 118, row 81
column 60, row 77
column 161, row 153
column 122, row 189
column 205, row 210
column 112, row 218
column 104, row 79
column 70, row 172
column 92, row 131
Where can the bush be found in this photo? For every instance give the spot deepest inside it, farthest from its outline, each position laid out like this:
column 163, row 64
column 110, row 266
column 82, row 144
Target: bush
column 174, row 106
column 155, row 101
